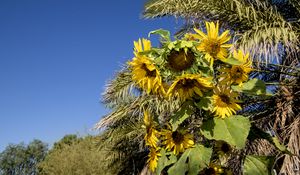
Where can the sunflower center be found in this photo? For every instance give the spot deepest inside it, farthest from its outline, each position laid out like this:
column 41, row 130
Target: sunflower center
column 224, row 98
column 213, row 47
column 180, row 60
column 237, row 72
column 225, row 148
column 177, row 137
column 210, row 171
column 149, row 73
column 187, row 83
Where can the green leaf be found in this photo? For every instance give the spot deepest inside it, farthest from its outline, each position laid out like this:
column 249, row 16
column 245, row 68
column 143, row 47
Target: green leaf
column 158, row 60
column 186, row 44
column 180, row 116
column 164, row 160
column 192, row 161
column 256, row 132
column 232, row 61
column 164, row 34
column 279, row 146
column 233, row 130
column 171, row 45
column 205, row 103
column 258, row 165
column 253, row 86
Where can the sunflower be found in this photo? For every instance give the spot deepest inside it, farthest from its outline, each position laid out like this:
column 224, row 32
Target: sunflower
column 213, row 45
column 222, row 148
column 144, row 72
column 177, row 141
column 151, row 133
column 187, row 85
column 237, row 73
column 180, row 60
column 225, row 102
column 153, row 158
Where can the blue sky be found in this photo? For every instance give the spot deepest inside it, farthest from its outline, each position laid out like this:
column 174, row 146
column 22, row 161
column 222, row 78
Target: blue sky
column 56, row 56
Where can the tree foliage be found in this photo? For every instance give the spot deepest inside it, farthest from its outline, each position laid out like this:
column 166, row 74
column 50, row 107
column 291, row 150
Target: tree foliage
column 67, row 140
column 19, row 159
column 71, row 156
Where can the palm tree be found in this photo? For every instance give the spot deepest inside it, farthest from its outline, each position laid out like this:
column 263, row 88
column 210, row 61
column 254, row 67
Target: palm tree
column 269, row 29
column 257, row 25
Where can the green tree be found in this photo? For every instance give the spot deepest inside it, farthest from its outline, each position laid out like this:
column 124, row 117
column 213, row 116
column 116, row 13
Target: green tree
column 73, row 156
column 22, row 159
column 67, row 140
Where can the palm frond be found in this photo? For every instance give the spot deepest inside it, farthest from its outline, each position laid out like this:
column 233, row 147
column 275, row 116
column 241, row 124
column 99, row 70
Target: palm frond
column 119, row 90
column 257, row 25
column 122, row 144
column 177, row 8
column 267, row 41
column 158, row 106
column 295, row 4
column 291, row 164
column 238, row 14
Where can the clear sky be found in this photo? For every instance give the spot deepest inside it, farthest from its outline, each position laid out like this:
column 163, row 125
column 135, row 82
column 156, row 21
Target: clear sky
column 56, row 56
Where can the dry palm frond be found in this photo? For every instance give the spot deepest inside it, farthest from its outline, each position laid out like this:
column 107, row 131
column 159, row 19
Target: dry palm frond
column 235, row 162
column 291, row 164
column 146, row 171
column 278, row 114
column 260, row 147
column 289, row 124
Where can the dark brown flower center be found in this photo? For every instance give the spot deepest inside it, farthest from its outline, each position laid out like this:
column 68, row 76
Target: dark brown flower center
column 225, row 147
column 213, row 48
column 209, row 171
column 225, row 98
column 180, row 60
column 187, row 83
column 149, row 73
column 177, row 137
column 237, row 72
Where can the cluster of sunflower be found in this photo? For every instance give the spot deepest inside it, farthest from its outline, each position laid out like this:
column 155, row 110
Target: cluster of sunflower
column 198, row 66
